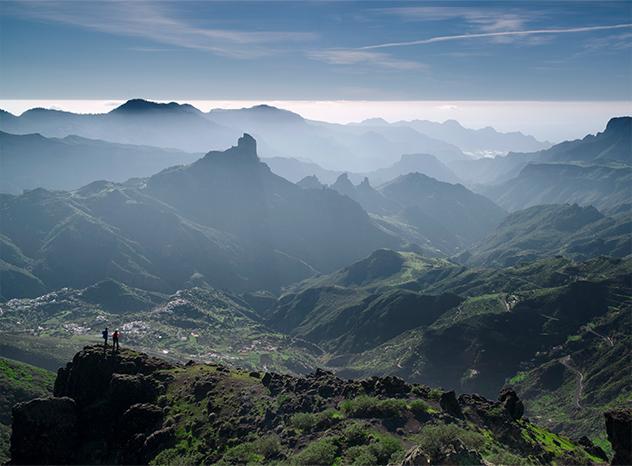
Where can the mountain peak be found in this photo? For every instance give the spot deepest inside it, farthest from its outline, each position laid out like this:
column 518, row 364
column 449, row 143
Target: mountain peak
column 245, row 150
column 248, row 144
column 374, row 122
column 619, row 124
column 452, row 124
column 310, row 182
column 142, row 105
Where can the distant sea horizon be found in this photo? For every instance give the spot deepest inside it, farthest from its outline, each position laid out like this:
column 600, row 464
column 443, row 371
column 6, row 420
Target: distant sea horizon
column 552, row 121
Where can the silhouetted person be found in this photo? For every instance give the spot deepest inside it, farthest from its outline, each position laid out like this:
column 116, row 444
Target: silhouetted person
column 115, row 340
column 104, row 334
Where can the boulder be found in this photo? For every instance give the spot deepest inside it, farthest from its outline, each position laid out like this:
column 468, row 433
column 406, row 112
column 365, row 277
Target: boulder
column 392, row 386
column 619, row 429
column 451, row 453
column 450, row 404
column 511, row 403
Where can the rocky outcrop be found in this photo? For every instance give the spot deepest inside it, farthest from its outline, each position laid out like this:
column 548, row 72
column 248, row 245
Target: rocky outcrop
column 619, row 429
column 452, row 453
column 450, row 404
column 593, row 449
column 511, row 403
column 45, row 431
column 129, row 408
column 101, row 411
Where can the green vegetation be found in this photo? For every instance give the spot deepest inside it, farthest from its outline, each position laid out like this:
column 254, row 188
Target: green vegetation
column 368, row 406
column 322, row 451
column 306, row 422
column 519, row 377
column 18, row 382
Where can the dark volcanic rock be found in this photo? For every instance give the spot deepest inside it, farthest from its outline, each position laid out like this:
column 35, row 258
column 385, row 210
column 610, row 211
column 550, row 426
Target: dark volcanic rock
column 452, row 453
column 511, row 403
column 101, row 411
column 133, row 409
column 45, row 431
column 619, row 428
column 450, row 404
column 593, row 449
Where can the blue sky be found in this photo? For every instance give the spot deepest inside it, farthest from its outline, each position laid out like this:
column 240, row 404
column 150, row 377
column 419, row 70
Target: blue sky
column 316, row 50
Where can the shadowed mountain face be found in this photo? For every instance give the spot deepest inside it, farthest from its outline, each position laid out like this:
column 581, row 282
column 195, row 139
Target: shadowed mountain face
column 437, row 215
column 224, row 220
column 547, row 230
column 234, row 192
column 280, row 133
column 596, row 170
column 135, row 122
column 614, row 144
column 450, row 215
column 541, row 183
column 32, row 161
column 295, row 170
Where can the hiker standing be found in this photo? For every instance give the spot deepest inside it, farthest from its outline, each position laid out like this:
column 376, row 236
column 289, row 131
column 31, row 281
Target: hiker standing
column 104, row 334
column 115, row 340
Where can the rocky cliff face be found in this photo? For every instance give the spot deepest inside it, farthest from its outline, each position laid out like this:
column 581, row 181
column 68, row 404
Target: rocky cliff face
column 619, row 429
column 129, row 408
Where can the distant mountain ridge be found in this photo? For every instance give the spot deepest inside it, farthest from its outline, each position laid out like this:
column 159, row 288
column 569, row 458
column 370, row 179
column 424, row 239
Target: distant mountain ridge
column 483, row 142
column 224, row 221
column 280, row 133
column 595, row 170
column 33, row 161
column 295, row 170
column 546, row 230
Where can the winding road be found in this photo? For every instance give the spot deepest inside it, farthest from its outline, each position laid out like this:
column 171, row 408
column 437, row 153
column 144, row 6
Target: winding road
column 606, row 339
column 567, row 362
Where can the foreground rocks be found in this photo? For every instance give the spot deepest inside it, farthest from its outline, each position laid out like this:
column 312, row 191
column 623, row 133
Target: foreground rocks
column 619, row 429
column 45, row 430
column 129, row 408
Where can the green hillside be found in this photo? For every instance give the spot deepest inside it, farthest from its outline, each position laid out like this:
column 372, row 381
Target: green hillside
column 19, row 382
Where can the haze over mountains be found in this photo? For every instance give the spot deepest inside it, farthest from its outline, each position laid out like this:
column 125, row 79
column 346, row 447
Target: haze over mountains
column 280, row 133
column 368, row 249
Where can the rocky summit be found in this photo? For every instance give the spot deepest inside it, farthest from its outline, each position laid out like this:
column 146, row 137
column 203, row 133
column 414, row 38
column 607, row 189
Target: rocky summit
column 130, row 408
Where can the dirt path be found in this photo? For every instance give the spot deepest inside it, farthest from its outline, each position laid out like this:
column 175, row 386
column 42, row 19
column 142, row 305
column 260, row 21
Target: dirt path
column 606, row 339
column 567, row 362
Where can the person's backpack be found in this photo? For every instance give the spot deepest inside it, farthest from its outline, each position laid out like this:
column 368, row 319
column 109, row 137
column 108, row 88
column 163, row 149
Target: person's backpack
column 104, row 334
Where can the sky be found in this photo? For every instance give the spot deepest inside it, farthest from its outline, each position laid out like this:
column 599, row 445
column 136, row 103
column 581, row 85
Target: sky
column 342, row 51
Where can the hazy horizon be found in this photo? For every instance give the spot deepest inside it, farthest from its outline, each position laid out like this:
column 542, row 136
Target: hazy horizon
column 552, row 121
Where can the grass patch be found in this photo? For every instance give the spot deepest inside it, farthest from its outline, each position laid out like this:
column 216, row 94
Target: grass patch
column 321, row 452
column 307, row 422
column 519, row 377
column 369, row 406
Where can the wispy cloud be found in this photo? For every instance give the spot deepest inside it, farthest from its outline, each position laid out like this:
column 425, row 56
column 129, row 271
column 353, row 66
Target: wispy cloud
column 358, row 57
column 484, row 19
column 529, row 32
column 155, row 22
column 612, row 42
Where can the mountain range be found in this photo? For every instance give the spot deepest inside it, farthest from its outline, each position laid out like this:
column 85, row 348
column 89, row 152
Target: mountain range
column 594, row 171
column 33, row 161
column 419, row 266
column 280, row 133
column 225, row 220
column 484, row 142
